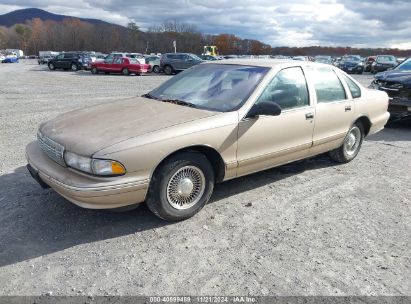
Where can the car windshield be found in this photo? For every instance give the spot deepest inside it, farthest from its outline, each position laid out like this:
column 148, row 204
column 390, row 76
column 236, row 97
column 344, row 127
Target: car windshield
column 133, row 60
column 352, row 59
column 389, row 59
column 195, row 57
column 214, row 87
column 405, row 66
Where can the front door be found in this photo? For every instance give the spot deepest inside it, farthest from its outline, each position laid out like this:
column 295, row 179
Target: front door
column 267, row 141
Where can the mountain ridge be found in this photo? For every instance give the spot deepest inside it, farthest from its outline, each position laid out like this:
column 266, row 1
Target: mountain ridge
column 23, row 15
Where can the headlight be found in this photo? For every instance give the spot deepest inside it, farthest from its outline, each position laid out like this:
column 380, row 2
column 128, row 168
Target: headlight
column 361, row 64
column 103, row 167
column 374, row 63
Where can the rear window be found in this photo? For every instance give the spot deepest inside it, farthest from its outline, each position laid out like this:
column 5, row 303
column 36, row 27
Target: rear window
column 390, row 59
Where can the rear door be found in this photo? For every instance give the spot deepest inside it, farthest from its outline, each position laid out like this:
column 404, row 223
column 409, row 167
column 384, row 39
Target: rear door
column 334, row 109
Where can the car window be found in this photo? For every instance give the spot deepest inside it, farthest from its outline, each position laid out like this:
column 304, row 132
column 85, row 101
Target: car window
column 118, row 60
column 288, row 89
column 404, row 66
column 387, row 59
column 327, row 85
column 68, row 56
column 354, row 88
column 61, row 56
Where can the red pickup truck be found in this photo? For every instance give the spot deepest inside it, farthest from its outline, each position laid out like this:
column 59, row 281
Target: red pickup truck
column 123, row 65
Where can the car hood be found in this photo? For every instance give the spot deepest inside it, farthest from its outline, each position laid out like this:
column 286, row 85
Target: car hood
column 395, row 76
column 91, row 129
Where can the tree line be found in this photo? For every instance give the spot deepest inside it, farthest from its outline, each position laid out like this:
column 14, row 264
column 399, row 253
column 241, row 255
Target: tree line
column 73, row 34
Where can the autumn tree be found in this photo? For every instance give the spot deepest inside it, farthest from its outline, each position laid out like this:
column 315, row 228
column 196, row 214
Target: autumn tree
column 24, row 34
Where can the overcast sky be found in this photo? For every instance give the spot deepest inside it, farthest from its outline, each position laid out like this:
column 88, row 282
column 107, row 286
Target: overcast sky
column 358, row 23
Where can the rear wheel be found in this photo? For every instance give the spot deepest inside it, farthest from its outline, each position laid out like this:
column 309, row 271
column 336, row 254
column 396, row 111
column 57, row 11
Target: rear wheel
column 181, row 186
column 351, row 145
column 51, row 66
column 156, row 69
column 74, row 67
column 94, row 70
column 168, row 70
column 125, row 71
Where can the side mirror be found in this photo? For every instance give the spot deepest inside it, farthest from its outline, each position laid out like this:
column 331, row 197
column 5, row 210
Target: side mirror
column 264, row 108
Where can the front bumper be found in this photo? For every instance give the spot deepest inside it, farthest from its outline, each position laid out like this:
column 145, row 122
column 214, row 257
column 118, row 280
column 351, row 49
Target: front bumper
column 399, row 104
column 81, row 189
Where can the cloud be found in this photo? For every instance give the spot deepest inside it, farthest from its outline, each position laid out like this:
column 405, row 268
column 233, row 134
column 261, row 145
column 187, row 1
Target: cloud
column 366, row 23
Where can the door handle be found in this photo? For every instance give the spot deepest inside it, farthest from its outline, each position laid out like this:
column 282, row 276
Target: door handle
column 309, row 116
column 347, row 108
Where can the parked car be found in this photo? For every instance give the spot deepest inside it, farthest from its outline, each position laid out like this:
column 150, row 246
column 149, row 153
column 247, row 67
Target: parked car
column 208, row 57
column 397, row 84
column 120, row 65
column 368, row 62
column 323, row 59
column 10, row 58
column 44, row 59
column 174, row 62
column 70, row 60
column 351, row 64
column 154, row 62
column 383, row 63
column 208, row 124
column 300, row 58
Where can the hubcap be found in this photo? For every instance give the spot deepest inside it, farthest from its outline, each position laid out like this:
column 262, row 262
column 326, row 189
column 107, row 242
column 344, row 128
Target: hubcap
column 352, row 141
column 186, row 187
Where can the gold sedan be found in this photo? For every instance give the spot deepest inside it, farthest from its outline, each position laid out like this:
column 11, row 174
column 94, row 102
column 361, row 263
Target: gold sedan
column 211, row 123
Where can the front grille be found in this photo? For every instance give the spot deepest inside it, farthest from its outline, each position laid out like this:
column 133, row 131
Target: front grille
column 53, row 150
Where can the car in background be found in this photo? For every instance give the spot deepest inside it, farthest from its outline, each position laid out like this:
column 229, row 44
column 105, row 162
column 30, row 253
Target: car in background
column 120, row 65
column 208, row 57
column 207, row 125
column 174, row 62
column 383, row 63
column 323, row 59
column 154, row 62
column 351, row 64
column 10, row 58
column 44, row 59
column 368, row 62
column 301, row 58
column 70, row 61
column 397, row 84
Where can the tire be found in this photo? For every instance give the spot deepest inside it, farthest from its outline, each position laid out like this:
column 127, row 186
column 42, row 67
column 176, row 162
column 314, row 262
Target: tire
column 156, row 69
column 351, row 145
column 51, row 67
column 107, row 73
column 164, row 198
column 94, row 70
column 125, row 71
column 168, row 70
column 74, row 67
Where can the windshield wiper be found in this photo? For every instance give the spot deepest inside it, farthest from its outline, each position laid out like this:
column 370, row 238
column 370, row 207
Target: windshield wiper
column 180, row 102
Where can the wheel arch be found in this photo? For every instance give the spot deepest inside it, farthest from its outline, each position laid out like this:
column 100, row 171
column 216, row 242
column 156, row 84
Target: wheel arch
column 213, row 156
column 366, row 123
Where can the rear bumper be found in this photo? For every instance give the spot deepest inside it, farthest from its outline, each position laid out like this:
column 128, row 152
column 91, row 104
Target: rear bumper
column 81, row 189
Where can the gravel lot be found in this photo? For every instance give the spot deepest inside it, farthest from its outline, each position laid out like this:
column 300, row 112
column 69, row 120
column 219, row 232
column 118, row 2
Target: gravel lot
column 308, row 228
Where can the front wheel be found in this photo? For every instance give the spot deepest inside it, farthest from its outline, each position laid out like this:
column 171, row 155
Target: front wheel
column 351, row 145
column 125, row 71
column 74, row 67
column 51, row 67
column 94, row 70
column 181, row 186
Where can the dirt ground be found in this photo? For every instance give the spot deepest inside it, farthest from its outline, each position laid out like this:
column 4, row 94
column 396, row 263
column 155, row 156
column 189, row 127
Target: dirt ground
column 309, row 228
